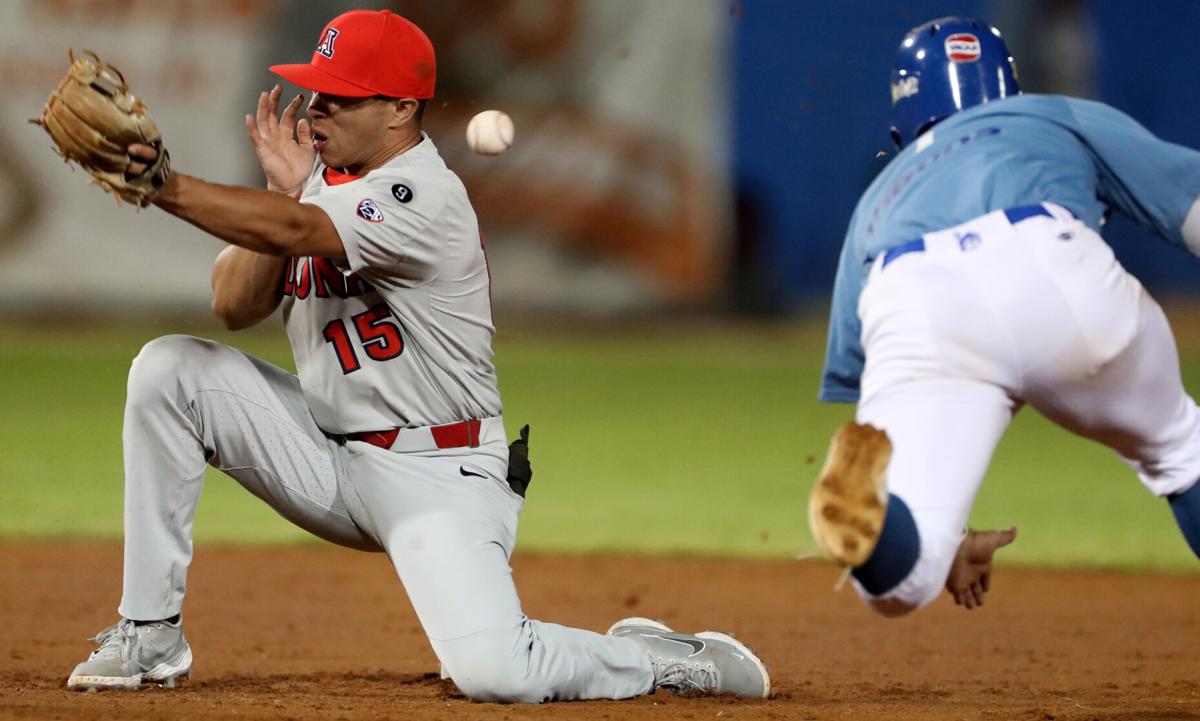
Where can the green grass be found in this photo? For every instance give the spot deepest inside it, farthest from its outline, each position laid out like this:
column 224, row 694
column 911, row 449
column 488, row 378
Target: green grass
column 699, row 439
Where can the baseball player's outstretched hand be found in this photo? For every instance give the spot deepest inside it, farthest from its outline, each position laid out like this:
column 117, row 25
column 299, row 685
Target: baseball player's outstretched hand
column 971, row 575
column 283, row 144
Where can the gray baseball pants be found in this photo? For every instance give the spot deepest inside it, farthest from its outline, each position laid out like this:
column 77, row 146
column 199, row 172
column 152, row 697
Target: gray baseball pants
column 193, row 403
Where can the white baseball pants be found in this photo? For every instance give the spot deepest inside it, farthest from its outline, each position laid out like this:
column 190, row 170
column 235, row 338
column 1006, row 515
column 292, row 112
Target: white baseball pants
column 992, row 315
column 449, row 535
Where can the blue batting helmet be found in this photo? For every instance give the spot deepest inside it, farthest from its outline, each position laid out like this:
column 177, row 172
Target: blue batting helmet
column 945, row 66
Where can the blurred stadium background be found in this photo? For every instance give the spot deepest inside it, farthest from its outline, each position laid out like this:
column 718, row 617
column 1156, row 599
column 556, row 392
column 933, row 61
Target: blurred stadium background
column 662, row 237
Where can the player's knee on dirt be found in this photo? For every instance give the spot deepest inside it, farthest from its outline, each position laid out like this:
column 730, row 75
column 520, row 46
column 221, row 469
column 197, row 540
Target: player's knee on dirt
column 494, row 666
column 1186, row 507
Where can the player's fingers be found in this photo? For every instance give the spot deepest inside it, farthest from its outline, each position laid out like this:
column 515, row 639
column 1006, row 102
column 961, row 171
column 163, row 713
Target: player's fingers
column 140, row 151
column 304, row 133
column 288, row 120
column 985, row 582
column 977, row 592
column 262, row 113
column 1007, row 536
column 252, row 129
column 140, row 158
column 273, row 105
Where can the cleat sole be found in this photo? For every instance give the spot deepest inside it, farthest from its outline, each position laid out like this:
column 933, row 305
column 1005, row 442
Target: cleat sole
column 849, row 500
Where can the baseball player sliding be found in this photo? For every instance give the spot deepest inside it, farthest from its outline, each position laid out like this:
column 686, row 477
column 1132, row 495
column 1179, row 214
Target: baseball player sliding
column 390, row 437
column 974, row 281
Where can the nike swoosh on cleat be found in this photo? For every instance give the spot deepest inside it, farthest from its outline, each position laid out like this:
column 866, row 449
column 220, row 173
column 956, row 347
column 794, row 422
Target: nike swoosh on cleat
column 694, row 643
column 463, row 470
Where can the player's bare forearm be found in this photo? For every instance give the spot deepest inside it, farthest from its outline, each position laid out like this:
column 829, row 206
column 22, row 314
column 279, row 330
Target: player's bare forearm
column 260, row 220
column 247, row 286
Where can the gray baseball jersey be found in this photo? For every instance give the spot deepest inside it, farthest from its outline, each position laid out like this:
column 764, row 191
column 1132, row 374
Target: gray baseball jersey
column 397, row 334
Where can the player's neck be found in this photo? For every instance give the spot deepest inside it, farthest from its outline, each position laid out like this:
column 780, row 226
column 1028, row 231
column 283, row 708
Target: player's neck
column 395, row 146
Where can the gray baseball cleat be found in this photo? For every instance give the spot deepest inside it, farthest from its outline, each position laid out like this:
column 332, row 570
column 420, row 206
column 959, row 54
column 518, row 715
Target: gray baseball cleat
column 130, row 654
column 707, row 661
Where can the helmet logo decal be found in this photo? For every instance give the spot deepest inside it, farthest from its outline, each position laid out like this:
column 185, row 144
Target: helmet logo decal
column 904, row 88
column 962, row 48
column 325, row 47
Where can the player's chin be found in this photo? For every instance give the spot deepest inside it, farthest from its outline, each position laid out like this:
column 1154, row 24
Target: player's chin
column 329, row 157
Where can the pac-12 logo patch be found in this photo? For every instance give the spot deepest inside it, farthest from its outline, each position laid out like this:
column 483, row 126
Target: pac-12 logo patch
column 962, row 48
column 325, row 47
column 402, row 192
column 367, row 210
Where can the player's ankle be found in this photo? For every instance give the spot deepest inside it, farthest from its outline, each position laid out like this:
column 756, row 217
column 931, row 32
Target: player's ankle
column 1186, row 507
column 895, row 554
column 172, row 620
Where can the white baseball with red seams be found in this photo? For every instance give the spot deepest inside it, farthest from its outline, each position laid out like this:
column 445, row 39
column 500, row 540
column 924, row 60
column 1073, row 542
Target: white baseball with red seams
column 490, row 132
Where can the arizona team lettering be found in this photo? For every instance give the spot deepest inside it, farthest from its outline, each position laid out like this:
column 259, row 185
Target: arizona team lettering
column 322, row 277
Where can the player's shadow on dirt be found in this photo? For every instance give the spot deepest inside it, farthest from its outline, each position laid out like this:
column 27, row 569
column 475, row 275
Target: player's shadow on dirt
column 284, row 683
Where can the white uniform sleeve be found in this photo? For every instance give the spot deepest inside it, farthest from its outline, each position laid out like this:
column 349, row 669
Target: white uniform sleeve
column 385, row 225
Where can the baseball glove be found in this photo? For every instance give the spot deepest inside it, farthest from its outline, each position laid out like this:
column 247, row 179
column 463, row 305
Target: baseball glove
column 92, row 119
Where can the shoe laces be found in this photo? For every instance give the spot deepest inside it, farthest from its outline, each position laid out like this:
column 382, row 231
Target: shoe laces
column 116, row 641
column 681, row 676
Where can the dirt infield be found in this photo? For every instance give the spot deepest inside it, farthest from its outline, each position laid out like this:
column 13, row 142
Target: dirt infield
column 322, row 633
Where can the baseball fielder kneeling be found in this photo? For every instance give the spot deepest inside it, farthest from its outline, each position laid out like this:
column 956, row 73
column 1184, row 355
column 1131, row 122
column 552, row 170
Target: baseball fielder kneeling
column 389, row 438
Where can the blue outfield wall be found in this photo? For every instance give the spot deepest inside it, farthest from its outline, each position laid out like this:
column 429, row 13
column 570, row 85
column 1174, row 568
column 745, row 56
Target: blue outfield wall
column 810, row 102
column 1149, row 67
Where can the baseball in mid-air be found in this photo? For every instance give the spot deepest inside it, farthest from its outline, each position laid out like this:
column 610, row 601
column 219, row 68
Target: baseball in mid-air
column 490, row 132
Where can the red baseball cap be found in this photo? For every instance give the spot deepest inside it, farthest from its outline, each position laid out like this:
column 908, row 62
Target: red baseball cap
column 368, row 52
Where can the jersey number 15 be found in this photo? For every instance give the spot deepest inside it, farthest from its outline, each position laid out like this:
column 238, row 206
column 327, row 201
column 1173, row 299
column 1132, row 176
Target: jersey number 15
column 377, row 331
